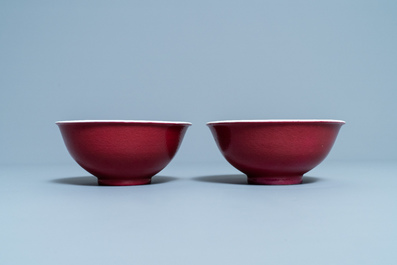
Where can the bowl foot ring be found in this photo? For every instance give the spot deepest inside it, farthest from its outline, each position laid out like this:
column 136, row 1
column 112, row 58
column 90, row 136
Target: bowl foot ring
column 275, row 180
column 123, row 182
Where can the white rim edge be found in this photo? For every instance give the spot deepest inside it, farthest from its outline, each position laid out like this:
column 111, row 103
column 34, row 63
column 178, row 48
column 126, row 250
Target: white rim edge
column 124, row 121
column 286, row 120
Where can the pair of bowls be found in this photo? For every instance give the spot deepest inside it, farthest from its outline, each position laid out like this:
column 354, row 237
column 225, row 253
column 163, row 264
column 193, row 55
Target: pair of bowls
column 272, row 152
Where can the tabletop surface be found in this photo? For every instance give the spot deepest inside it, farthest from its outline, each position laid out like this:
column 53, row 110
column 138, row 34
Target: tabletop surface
column 343, row 213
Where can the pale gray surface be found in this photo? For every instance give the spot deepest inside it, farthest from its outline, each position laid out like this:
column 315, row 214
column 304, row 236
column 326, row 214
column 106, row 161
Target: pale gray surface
column 196, row 61
column 344, row 213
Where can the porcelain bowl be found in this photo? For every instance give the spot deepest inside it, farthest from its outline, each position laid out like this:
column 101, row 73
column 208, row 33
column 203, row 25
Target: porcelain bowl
column 121, row 153
column 275, row 152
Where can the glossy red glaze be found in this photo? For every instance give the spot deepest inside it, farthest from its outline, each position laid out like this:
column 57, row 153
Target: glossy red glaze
column 275, row 152
column 121, row 153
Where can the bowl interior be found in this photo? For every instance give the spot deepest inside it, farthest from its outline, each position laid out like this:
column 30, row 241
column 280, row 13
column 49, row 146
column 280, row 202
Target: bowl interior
column 276, row 121
column 124, row 121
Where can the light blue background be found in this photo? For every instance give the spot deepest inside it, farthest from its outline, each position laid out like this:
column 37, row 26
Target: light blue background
column 197, row 61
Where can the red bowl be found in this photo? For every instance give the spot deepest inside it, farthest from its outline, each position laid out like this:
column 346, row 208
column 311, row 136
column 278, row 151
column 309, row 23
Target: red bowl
column 121, row 153
column 275, row 152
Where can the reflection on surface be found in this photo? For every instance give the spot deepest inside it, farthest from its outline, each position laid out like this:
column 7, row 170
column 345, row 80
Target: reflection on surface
column 308, row 180
column 241, row 179
column 225, row 179
column 92, row 181
column 162, row 179
column 83, row 181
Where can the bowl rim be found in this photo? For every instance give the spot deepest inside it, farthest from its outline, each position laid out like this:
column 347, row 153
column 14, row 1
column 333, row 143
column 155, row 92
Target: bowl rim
column 277, row 121
column 125, row 121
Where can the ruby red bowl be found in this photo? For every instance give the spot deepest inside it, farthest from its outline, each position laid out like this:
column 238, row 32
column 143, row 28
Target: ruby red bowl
column 275, row 152
column 121, row 153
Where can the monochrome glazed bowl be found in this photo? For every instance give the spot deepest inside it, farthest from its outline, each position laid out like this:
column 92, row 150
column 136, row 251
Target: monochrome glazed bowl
column 121, row 153
column 275, row 152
